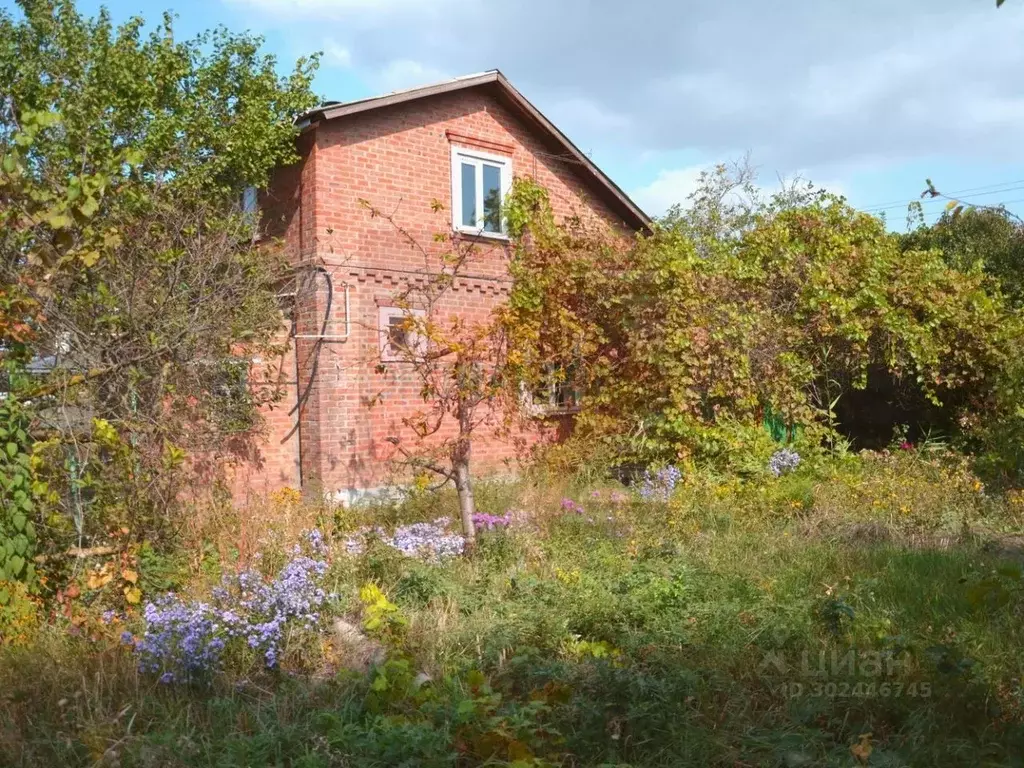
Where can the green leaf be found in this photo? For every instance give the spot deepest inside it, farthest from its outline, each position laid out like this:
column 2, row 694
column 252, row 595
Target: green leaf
column 12, row 449
column 59, row 220
column 15, row 565
column 133, row 157
column 19, row 519
column 89, row 206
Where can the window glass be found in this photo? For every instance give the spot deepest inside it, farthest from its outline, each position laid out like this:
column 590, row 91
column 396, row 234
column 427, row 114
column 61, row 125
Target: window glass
column 398, row 334
column 250, row 201
column 557, row 389
column 492, row 198
column 468, row 195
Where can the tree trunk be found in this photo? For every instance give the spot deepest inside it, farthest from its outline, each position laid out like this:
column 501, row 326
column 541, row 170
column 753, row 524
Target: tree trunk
column 464, row 485
column 461, row 452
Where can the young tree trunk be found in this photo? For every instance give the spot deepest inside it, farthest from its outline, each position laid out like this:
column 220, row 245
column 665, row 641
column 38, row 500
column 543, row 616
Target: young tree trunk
column 460, row 458
column 464, row 486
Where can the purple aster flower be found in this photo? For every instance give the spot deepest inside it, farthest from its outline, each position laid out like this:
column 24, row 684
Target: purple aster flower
column 482, row 520
column 316, row 541
column 783, row 462
column 660, row 484
column 571, row 506
column 185, row 641
column 427, row 541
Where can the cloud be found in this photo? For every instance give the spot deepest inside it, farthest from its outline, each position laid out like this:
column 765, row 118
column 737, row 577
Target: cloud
column 674, row 186
column 330, row 8
column 405, row 73
column 337, row 55
column 670, row 187
column 583, row 115
column 824, row 86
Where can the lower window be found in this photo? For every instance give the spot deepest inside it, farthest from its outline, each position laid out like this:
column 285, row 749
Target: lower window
column 399, row 339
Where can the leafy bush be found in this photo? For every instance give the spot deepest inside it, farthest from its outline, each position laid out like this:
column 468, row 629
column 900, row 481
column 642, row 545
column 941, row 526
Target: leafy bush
column 680, row 336
column 134, row 291
column 19, row 490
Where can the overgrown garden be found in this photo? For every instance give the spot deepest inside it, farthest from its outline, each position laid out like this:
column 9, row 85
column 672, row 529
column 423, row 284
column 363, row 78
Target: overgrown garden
column 788, row 528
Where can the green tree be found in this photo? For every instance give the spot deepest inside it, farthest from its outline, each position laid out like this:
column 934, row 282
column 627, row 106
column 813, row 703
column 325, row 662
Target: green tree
column 462, row 368
column 686, row 340
column 982, row 238
column 133, row 288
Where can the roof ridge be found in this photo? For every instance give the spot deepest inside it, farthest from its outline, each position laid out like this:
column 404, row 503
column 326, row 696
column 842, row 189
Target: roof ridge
column 401, row 91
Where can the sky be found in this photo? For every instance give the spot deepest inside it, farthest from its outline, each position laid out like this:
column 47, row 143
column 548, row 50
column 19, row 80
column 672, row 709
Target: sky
column 865, row 98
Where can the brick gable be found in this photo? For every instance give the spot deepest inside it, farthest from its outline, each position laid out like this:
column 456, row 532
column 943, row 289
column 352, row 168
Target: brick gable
column 397, row 157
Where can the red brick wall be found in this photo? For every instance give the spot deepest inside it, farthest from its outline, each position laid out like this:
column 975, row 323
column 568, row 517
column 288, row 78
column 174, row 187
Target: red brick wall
column 399, row 159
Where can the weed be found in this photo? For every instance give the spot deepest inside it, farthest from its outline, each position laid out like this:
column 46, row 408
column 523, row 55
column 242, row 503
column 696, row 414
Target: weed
column 754, row 620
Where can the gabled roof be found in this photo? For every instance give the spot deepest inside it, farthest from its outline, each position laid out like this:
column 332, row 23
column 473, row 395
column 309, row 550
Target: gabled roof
column 494, row 80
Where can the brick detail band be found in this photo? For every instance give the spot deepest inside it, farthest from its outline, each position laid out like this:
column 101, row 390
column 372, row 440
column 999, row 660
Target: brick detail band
column 472, row 141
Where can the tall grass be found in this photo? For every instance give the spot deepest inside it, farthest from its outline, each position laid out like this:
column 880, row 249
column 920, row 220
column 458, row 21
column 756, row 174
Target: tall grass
column 739, row 623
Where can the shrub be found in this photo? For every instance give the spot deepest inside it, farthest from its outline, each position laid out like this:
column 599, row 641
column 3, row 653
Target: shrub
column 683, row 342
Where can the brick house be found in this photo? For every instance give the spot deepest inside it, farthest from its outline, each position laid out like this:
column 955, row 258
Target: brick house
column 460, row 143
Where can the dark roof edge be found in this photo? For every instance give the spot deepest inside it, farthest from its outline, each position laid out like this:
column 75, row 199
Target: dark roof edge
column 640, row 220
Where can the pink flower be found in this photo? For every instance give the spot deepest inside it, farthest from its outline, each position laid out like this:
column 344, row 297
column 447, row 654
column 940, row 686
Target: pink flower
column 571, row 506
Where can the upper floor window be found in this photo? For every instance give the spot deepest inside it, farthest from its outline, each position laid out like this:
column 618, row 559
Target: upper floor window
column 480, row 181
column 250, row 201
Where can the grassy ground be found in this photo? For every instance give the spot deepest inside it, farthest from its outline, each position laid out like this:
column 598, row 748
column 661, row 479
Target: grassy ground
column 864, row 613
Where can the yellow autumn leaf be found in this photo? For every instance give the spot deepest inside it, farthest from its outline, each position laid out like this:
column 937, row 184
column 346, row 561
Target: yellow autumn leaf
column 862, row 749
column 98, row 579
column 133, row 595
column 130, row 576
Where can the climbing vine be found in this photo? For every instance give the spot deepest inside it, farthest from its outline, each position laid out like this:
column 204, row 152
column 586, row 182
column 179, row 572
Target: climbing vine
column 18, row 493
column 688, row 343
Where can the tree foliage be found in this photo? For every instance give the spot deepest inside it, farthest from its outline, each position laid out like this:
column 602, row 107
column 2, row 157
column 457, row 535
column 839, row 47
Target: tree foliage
column 686, row 340
column 980, row 238
column 461, row 366
column 133, row 293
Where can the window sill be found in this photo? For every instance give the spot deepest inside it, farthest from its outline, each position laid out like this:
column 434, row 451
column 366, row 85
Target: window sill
column 482, row 234
column 554, row 411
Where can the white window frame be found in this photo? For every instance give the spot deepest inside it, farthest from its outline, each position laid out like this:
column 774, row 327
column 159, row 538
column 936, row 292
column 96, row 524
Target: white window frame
column 543, row 401
column 384, row 316
column 478, row 159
